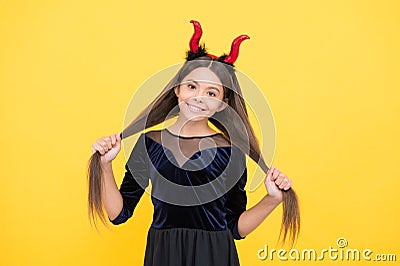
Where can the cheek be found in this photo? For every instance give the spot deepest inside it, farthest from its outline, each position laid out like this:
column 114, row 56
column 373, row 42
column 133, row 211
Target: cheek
column 214, row 103
column 184, row 95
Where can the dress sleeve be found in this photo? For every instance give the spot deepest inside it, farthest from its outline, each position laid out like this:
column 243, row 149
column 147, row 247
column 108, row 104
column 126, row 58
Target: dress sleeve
column 237, row 199
column 135, row 180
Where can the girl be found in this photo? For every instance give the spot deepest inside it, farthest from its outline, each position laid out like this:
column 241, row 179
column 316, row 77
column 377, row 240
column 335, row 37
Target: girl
column 198, row 175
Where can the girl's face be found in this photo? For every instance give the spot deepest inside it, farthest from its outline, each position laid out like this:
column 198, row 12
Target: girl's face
column 200, row 94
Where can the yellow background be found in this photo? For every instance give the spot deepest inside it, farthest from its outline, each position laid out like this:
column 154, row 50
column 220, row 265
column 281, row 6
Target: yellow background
column 329, row 69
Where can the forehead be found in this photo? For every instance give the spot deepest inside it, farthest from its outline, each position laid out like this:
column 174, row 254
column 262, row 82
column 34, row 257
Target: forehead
column 203, row 74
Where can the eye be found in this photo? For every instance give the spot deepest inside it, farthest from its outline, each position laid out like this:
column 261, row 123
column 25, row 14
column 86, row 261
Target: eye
column 213, row 94
column 191, row 86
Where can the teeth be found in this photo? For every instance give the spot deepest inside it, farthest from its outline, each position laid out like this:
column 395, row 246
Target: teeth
column 195, row 109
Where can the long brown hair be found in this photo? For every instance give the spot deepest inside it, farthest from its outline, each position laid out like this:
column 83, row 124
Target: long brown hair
column 238, row 132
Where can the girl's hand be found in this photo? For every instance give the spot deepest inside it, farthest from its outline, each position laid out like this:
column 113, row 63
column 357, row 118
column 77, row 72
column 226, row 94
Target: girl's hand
column 108, row 147
column 275, row 181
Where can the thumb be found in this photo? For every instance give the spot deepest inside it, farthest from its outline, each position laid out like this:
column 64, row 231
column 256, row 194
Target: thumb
column 269, row 173
column 118, row 137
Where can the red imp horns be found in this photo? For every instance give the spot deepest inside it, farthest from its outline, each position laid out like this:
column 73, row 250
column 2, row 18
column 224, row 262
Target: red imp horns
column 233, row 54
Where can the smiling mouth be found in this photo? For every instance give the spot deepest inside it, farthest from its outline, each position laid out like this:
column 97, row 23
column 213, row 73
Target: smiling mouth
column 194, row 108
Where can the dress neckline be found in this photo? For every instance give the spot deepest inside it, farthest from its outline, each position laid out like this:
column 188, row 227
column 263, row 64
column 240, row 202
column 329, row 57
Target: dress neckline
column 191, row 137
column 168, row 150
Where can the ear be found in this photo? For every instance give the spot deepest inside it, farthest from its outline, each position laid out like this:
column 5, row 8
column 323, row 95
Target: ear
column 223, row 105
column 176, row 90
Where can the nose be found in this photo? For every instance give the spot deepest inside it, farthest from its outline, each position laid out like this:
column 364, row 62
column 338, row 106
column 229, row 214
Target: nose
column 198, row 97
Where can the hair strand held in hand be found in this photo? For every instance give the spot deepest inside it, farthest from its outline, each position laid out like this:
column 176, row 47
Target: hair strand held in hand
column 95, row 183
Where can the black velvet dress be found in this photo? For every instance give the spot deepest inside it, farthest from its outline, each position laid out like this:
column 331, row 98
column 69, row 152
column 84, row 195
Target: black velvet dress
column 198, row 193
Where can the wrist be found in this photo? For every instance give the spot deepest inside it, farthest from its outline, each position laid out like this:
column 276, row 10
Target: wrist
column 273, row 199
column 104, row 161
column 106, row 164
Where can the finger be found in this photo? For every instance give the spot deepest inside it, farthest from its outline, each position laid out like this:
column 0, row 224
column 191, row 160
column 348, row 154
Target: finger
column 281, row 177
column 118, row 137
column 113, row 140
column 284, row 182
column 288, row 186
column 269, row 173
column 108, row 141
column 101, row 140
column 99, row 148
column 275, row 174
column 103, row 144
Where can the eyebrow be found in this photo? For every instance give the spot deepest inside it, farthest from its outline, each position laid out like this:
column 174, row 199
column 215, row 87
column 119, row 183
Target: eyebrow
column 215, row 88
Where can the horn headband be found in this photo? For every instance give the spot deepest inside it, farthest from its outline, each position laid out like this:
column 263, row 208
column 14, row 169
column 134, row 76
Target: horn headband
column 197, row 50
